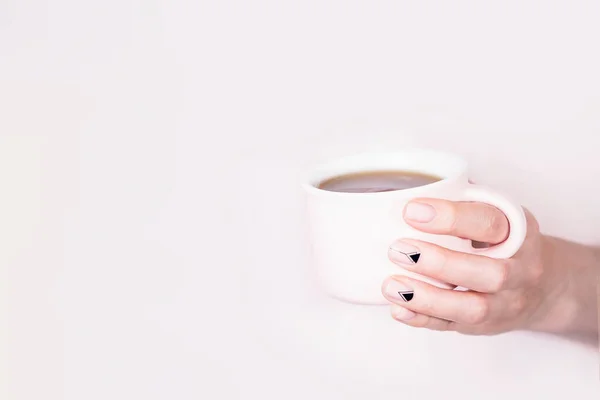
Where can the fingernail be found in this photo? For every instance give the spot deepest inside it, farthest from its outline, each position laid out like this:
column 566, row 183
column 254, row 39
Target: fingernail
column 419, row 212
column 403, row 314
column 398, row 291
column 404, row 253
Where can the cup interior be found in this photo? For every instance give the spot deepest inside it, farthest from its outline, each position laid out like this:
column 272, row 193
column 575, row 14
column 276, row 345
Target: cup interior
column 431, row 162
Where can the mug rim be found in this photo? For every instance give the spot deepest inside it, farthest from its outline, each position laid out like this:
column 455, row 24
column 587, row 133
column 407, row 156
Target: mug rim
column 310, row 185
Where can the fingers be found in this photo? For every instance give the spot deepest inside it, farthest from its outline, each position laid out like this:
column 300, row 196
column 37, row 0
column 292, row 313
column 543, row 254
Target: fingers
column 421, row 298
column 476, row 272
column 471, row 220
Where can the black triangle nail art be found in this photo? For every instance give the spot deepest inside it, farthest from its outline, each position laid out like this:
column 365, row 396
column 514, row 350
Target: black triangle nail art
column 411, row 253
column 407, row 295
column 414, row 257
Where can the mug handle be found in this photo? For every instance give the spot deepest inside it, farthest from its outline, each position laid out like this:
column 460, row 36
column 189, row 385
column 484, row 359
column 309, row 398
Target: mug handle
column 513, row 212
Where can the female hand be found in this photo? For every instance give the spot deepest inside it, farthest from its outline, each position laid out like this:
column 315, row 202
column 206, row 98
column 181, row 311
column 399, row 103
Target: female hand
column 529, row 291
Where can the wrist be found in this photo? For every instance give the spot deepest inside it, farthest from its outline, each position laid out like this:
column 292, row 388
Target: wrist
column 570, row 288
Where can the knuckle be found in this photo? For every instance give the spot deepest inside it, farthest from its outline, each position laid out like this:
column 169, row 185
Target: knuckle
column 499, row 278
column 439, row 267
column 451, row 217
column 519, row 303
column 427, row 308
column 478, row 311
column 536, row 271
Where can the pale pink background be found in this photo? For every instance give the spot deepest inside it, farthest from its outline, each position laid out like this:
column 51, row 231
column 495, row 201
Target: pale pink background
column 151, row 220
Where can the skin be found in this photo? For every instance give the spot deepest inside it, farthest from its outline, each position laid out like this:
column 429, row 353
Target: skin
column 550, row 285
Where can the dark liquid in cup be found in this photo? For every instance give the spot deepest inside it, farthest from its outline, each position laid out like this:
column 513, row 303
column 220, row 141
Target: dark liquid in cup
column 377, row 181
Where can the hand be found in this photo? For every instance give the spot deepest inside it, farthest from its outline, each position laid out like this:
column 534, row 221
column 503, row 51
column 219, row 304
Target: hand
column 523, row 292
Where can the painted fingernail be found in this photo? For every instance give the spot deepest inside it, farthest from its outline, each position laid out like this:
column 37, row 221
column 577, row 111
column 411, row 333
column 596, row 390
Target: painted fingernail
column 402, row 314
column 419, row 212
column 398, row 291
column 404, row 253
